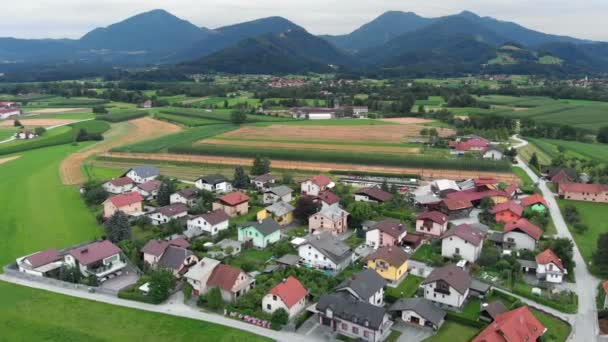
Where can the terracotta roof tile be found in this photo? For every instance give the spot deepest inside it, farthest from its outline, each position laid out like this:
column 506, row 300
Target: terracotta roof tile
column 224, row 276
column 510, row 206
column 517, row 325
column 291, row 291
column 125, row 199
column 122, row 181
column 376, row 193
column 533, row 199
column 393, row 255
column 435, row 216
column 547, row 256
column 525, row 226
column 94, row 252
column 234, row 198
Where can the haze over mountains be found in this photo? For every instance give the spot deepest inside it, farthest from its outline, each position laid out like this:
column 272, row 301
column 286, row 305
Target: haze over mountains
column 393, row 41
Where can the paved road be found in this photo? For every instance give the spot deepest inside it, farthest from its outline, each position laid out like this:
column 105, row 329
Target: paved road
column 172, row 307
column 585, row 325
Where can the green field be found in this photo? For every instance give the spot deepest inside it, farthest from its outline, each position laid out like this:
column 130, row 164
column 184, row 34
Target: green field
column 56, row 101
column 454, row 332
column 557, row 331
column 217, row 114
column 598, row 152
column 594, row 216
column 7, row 132
column 186, row 120
column 330, row 122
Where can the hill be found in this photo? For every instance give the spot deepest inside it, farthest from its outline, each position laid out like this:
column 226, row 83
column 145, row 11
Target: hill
column 292, row 51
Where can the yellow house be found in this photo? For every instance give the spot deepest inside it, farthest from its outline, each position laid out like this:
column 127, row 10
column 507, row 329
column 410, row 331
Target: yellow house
column 390, row 262
column 280, row 211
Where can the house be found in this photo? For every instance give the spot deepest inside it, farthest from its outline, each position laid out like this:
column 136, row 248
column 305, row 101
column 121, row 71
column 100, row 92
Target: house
column 264, row 182
column 213, row 183
column 325, row 252
column 373, row 195
column 6, row 113
column 550, row 267
column 25, row 135
column 130, row 203
column 521, row 234
column 146, row 104
column 289, row 295
column 558, row 175
column 485, row 184
column 149, row 189
column 40, row 263
column 388, row 232
column 260, row 233
column 331, row 219
column 143, row 173
column 447, row 285
column 535, row 202
column 463, row 241
column 352, row 318
column 280, row 211
column 281, row 193
column 490, row 311
column 493, row 153
column 366, row 286
column 101, row 259
column 327, row 199
column 316, row 185
column 313, row 113
column 475, row 197
column 456, row 208
column 119, row 185
column 210, row 223
column 360, row 111
column 171, row 255
column 442, row 187
column 433, row 223
column 167, row 213
column 470, row 143
column 508, row 211
column 209, row 273
column 186, row 196
column 389, row 262
column 515, row 325
column 419, row 311
column 584, row 192
column 234, row 204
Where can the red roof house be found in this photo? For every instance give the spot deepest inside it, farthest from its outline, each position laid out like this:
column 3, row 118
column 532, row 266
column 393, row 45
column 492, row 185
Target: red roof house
column 515, row 233
column 373, row 194
column 517, row 325
column 316, row 185
column 433, row 223
column 584, row 192
column 129, row 203
column 290, row 295
column 508, row 211
column 43, row 258
column 547, row 257
column 94, row 252
column 533, row 199
column 234, row 204
column 328, row 198
column 231, row 281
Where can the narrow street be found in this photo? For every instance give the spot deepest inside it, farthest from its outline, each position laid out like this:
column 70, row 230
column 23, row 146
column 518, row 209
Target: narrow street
column 585, row 325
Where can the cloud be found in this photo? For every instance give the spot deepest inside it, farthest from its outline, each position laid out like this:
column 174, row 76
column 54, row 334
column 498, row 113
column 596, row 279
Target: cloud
column 74, row 18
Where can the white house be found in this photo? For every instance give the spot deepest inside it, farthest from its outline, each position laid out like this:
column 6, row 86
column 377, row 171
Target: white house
column 167, row 213
column 264, row 182
column 213, row 183
column 289, row 295
column 210, row 223
column 185, row 196
column 366, row 286
column 325, row 252
column 521, row 234
column 493, row 153
column 40, row 263
column 6, row 113
column 101, row 259
column 143, row 173
column 550, row 267
column 448, row 285
column 119, row 185
column 316, row 185
column 148, row 190
column 463, row 241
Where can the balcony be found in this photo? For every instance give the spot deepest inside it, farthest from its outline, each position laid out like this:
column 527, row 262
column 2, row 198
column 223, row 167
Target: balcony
column 105, row 270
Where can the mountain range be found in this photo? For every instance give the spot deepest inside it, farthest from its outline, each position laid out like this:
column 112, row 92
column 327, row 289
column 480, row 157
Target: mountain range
column 274, row 45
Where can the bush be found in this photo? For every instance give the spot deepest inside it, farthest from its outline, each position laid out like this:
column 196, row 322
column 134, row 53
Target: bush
column 132, row 293
column 213, row 299
column 280, row 317
column 187, row 291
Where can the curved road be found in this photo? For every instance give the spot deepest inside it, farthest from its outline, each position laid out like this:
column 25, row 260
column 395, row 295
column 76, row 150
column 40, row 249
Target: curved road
column 585, row 325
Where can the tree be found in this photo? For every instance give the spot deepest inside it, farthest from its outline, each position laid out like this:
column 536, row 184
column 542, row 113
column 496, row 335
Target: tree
column 238, row 116
column 304, row 208
column 534, row 161
column 260, row 166
column 421, row 109
column 174, row 227
column 280, row 317
column 602, row 135
column 600, row 257
column 118, row 227
column 385, row 186
column 424, row 132
column 489, row 255
column 39, row 131
column 241, row 180
column 214, row 299
column 17, row 123
column 359, row 212
column 94, row 193
column 161, row 284
column 83, row 135
column 100, row 110
column 167, row 187
column 287, row 178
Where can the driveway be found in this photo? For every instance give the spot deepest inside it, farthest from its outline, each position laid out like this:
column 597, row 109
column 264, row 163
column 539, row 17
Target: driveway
column 411, row 333
column 585, row 327
column 127, row 278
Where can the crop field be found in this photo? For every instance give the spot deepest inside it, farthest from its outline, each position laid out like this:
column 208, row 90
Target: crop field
column 119, row 116
column 598, row 152
column 186, row 120
column 218, row 102
column 515, row 101
column 36, row 122
column 47, row 102
column 217, row 114
column 52, row 111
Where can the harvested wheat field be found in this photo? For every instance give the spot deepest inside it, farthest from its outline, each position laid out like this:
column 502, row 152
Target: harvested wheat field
column 408, row 121
column 60, row 110
column 323, row 147
column 317, row 166
column 6, row 160
column 38, row 122
column 120, row 134
column 385, row 134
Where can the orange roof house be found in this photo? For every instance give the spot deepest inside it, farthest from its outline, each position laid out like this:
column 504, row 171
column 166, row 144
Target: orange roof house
column 508, row 211
column 517, row 325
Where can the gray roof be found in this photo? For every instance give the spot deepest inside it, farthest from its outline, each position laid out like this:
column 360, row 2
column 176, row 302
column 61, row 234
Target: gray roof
column 496, row 237
column 453, row 275
column 146, row 171
column 188, row 193
column 330, row 246
column 364, row 284
column 349, row 309
column 280, row 190
column 173, row 257
column 280, row 208
column 172, row 209
column 213, row 179
column 427, row 199
column 527, row 263
column 467, row 184
column 495, row 308
column 333, row 212
column 479, row 286
column 423, row 307
column 480, row 226
column 266, row 226
column 288, row 259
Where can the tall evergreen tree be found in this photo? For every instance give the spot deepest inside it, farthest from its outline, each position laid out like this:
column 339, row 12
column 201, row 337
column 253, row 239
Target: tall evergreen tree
column 600, row 257
column 118, row 227
column 241, row 180
column 167, row 187
column 260, row 166
column 534, row 161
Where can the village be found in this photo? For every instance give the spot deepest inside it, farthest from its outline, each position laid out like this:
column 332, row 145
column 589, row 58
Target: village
column 404, row 261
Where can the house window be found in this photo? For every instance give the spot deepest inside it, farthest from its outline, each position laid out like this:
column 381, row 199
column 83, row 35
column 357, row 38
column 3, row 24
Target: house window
column 344, row 326
column 366, row 334
column 268, row 306
column 355, row 330
column 274, row 298
column 457, row 250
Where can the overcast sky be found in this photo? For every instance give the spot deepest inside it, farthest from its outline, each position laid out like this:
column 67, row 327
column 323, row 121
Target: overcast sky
column 73, row 18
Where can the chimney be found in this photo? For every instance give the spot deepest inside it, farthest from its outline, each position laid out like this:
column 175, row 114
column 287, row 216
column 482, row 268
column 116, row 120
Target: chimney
column 284, row 280
column 84, row 250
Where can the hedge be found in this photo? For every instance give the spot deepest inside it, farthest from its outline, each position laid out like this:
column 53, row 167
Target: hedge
column 344, row 157
column 92, row 127
column 219, row 115
column 570, row 308
column 374, row 174
column 454, row 317
column 131, row 293
column 121, row 116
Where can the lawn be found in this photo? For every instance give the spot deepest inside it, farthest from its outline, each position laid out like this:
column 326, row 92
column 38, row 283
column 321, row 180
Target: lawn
column 594, row 216
column 598, row 152
column 6, row 133
column 557, row 330
column 521, row 174
column 454, row 332
column 33, row 315
column 406, row 289
column 427, row 254
column 101, row 173
column 255, row 257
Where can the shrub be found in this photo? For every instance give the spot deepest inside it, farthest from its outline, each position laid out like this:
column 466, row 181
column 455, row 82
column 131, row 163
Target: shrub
column 187, row 291
column 280, row 317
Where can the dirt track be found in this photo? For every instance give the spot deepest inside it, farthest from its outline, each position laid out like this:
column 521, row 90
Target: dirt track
column 131, row 132
column 327, row 147
column 6, row 160
column 321, row 167
column 38, row 122
column 408, row 121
